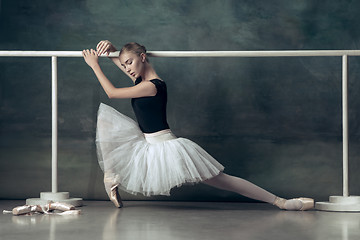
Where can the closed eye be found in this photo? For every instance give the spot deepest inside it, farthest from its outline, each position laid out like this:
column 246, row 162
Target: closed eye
column 129, row 61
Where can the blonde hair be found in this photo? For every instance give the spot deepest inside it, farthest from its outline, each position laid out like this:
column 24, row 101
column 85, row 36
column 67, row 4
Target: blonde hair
column 134, row 48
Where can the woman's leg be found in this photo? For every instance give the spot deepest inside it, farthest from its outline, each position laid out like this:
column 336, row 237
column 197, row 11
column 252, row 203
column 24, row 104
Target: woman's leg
column 250, row 190
column 241, row 186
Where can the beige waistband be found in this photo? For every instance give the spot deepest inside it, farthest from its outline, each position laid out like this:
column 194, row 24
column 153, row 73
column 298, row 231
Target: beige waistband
column 160, row 136
column 157, row 133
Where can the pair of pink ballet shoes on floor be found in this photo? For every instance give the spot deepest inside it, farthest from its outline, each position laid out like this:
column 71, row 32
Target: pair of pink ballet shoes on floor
column 66, row 209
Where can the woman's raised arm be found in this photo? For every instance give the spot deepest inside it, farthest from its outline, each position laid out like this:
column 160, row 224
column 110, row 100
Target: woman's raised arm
column 105, row 46
column 143, row 89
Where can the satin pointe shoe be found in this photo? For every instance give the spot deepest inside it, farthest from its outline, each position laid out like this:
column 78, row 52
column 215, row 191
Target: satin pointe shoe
column 61, row 206
column 295, row 204
column 27, row 209
column 20, row 210
column 307, row 203
column 115, row 197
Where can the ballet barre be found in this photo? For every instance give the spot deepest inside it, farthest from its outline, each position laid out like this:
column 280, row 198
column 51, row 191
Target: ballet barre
column 285, row 53
column 345, row 203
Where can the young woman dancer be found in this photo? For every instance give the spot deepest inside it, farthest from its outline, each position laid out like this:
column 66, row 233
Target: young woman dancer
column 146, row 157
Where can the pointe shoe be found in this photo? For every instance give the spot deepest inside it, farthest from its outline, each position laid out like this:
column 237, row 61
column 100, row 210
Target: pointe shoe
column 27, row 209
column 20, row 210
column 306, row 204
column 61, row 206
column 115, row 197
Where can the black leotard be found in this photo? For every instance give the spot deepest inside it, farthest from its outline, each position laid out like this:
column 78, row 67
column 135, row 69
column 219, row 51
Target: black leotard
column 151, row 111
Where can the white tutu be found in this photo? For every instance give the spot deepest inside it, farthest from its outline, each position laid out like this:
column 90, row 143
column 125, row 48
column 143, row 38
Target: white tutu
column 147, row 165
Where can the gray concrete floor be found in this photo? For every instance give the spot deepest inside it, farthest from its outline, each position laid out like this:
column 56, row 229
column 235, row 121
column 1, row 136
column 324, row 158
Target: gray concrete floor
column 180, row 220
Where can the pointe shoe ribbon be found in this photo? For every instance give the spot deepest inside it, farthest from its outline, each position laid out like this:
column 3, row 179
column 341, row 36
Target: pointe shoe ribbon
column 279, row 202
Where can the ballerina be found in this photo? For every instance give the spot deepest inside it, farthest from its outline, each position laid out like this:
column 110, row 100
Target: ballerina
column 146, row 157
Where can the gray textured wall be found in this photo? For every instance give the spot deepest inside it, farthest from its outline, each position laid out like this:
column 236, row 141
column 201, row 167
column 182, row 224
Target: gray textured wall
column 273, row 121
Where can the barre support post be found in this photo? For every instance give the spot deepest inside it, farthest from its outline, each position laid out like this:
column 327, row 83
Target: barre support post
column 54, row 195
column 345, row 203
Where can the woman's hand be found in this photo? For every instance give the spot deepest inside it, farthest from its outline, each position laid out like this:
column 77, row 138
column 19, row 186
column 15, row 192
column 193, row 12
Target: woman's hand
column 91, row 57
column 105, row 46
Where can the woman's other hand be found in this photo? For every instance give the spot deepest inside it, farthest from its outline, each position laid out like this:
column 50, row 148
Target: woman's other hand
column 91, row 57
column 105, row 46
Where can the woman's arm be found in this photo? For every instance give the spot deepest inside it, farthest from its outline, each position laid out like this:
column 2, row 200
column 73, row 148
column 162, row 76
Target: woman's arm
column 107, row 47
column 143, row 89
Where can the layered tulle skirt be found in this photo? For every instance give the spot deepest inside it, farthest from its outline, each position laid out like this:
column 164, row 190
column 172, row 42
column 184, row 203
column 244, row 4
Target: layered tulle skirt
column 147, row 164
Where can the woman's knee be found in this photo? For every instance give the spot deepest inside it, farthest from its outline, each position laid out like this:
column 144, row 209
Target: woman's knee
column 212, row 181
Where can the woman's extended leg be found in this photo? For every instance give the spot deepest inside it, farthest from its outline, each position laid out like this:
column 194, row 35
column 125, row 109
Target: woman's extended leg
column 241, row 186
column 250, row 190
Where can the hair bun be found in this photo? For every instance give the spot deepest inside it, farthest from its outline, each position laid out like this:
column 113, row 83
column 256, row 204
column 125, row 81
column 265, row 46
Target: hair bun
column 134, row 48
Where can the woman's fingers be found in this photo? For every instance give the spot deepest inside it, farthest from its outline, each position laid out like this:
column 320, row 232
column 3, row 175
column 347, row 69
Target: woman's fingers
column 87, row 52
column 102, row 42
column 99, row 47
column 103, row 47
column 90, row 57
column 93, row 52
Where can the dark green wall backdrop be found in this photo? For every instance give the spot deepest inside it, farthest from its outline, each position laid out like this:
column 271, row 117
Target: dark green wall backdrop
column 273, row 121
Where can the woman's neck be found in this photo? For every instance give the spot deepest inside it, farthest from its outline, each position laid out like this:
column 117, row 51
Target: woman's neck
column 149, row 73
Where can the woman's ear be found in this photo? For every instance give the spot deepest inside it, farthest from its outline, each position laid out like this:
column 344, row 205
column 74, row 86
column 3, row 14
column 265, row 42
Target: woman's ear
column 143, row 57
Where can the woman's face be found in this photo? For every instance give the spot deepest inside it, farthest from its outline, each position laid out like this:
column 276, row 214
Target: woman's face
column 133, row 64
